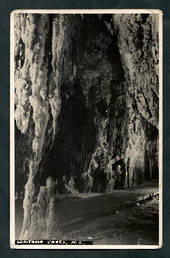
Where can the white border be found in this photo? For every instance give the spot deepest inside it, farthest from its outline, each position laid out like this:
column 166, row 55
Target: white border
column 12, row 133
column 160, row 130
column 12, row 137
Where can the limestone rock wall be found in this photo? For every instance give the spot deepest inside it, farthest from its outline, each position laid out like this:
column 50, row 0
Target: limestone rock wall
column 138, row 44
column 37, row 98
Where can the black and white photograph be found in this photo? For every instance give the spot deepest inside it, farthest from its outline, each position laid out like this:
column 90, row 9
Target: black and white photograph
column 86, row 129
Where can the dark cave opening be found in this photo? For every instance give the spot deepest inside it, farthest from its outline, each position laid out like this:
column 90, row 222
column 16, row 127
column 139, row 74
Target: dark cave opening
column 75, row 141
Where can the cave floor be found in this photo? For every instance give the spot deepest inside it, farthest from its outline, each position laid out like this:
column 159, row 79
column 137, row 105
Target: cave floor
column 119, row 218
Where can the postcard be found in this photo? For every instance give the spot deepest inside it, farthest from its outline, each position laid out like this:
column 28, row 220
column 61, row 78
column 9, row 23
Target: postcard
column 86, row 129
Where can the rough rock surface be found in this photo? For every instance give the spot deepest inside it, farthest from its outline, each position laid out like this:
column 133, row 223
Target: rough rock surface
column 139, row 50
column 86, row 90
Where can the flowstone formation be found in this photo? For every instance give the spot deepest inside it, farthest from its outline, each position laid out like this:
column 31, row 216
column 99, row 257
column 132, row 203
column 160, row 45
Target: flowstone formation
column 86, row 97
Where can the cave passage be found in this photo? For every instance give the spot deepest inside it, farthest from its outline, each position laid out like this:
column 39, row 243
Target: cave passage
column 88, row 101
